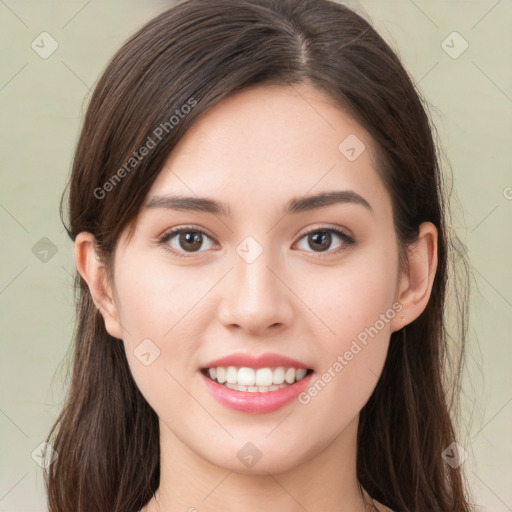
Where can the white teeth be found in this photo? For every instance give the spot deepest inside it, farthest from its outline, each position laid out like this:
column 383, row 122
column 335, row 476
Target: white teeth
column 289, row 376
column 278, row 377
column 221, row 374
column 263, row 377
column 237, row 387
column 254, row 389
column 246, row 377
column 256, row 380
column 231, row 375
column 300, row 374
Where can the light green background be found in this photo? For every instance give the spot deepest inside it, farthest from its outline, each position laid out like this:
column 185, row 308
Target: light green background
column 42, row 102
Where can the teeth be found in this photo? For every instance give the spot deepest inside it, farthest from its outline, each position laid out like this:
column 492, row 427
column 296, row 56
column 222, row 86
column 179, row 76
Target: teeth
column 237, row 387
column 289, row 376
column 246, row 377
column 300, row 373
column 255, row 389
column 264, row 377
column 256, row 380
column 278, row 377
column 221, row 374
column 231, row 375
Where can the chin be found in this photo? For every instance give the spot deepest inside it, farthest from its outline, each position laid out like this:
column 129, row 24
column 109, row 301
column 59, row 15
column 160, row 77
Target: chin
column 260, row 457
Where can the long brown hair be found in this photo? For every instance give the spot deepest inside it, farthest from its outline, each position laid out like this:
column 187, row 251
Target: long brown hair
column 198, row 53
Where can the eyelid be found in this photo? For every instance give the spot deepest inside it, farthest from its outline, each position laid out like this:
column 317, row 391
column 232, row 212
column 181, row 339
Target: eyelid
column 185, row 227
column 327, row 227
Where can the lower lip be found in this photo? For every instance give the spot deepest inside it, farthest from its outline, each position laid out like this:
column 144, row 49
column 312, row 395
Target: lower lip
column 245, row 401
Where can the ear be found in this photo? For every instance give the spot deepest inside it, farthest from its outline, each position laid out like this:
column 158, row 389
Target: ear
column 416, row 281
column 93, row 271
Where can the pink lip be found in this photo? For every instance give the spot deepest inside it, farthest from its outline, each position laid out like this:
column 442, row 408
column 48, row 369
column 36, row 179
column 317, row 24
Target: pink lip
column 262, row 361
column 245, row 401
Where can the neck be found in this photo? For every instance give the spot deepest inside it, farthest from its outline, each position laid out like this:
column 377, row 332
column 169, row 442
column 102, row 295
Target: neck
column 327, row 481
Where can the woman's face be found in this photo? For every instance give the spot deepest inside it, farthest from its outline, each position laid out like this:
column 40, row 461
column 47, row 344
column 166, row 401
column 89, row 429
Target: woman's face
column 264, row 282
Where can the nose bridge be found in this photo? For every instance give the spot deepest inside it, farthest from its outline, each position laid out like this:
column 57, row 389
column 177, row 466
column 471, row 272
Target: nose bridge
column 256, row 298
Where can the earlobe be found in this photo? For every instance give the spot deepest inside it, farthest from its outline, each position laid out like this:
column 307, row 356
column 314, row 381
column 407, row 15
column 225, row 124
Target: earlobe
column 417, row 280
column 93, row 272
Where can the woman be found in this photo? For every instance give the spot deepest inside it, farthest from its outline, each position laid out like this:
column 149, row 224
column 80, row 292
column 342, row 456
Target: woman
column 259, row 231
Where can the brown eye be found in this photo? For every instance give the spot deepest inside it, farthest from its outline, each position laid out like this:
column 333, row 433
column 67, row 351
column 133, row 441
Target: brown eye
column 190, row 240
column 321, row 239
column 185, row 240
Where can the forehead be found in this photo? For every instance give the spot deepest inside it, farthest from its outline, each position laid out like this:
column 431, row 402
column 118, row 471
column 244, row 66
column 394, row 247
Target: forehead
column 272, row 128
column 278, row 141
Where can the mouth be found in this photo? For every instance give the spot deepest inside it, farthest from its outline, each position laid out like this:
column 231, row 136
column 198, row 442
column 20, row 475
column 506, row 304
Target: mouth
column 255, row 383
column 256, row 380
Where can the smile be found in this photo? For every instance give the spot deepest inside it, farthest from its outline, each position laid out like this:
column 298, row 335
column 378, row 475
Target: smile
column 255, row 380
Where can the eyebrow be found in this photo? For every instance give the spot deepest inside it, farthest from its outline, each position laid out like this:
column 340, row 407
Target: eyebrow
column 295, row 205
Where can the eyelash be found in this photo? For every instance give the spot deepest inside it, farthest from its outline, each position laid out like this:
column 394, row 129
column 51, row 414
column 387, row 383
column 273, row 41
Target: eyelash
column 348, row 241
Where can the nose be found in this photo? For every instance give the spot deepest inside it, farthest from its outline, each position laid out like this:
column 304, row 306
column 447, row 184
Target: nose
column 256, row 296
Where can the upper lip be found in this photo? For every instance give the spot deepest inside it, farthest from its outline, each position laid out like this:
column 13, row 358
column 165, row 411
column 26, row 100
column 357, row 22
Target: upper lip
column 262, row 361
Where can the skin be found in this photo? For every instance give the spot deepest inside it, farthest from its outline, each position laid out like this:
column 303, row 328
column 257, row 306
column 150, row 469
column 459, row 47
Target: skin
column 255, row 151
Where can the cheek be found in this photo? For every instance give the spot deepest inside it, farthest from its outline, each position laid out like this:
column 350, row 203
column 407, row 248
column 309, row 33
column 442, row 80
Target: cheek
column 161, row 311
column 357, row 306
column 352, row 297
column 159, row 301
